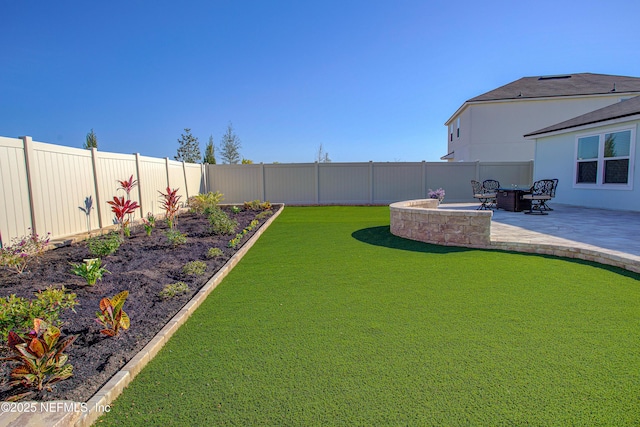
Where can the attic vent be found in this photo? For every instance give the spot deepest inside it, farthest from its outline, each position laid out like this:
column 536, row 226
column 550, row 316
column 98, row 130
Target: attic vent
column 554, row 77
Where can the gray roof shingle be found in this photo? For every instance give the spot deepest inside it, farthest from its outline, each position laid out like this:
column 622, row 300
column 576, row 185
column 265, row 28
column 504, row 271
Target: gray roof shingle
column 562, row 85
column 629, row 107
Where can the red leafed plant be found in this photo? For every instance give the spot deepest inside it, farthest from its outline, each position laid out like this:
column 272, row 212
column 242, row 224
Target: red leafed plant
column 40, row 357
column 127, row 185
column 170, row 205
column 111, row 314
column 121, row 208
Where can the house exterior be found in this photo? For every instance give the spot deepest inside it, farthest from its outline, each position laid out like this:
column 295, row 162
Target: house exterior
column 490, row 127
column 593, row 156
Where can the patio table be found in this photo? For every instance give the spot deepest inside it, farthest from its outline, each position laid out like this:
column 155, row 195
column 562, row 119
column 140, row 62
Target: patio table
column 510, row 199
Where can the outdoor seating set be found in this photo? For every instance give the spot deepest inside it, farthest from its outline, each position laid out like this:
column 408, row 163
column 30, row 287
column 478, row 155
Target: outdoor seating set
column 492, row 196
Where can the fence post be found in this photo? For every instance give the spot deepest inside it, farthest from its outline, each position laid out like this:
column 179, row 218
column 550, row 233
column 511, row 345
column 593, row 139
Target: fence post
column 166, row 167
column 317, row 166
column 204, row 188
column 139, row 184
column 531, row 171
column 94, row 164
column 370, row 182
column 28, row 156
column 424, row 180
column 186, row 186
column 264, row 183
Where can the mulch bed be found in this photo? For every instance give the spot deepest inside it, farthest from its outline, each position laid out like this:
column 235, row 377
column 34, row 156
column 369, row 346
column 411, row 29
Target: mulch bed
column 142, row 265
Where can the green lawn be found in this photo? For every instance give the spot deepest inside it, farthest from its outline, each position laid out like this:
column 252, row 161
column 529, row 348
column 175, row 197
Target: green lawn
column 330, row 320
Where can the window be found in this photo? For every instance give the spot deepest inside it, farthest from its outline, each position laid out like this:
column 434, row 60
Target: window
column 605, row 160
column 451, row 132
column 458, row 127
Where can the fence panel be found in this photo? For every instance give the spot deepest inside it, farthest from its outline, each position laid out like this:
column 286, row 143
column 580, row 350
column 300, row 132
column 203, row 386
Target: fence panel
column 15, row 212
column 454, row 178
column 393, row 182
column 62, row 179
column 111, row 168
column 195, row 179
column 294, row 184
column 344, row 183
column 238, row 183
column 176, row 179
column 152, row 178
column 516, row 173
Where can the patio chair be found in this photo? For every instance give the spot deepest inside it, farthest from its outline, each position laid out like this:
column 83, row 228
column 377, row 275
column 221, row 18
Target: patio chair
column 486, row 198
column 540, row 193
column 490, row 185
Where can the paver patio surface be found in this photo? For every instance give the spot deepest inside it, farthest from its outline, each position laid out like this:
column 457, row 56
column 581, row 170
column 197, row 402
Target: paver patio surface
column 607, row 231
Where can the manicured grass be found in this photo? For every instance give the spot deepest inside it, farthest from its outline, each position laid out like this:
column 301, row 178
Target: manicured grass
column 331, row 320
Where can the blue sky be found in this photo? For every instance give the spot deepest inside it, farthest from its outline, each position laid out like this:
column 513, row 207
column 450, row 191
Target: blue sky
column 369, row 80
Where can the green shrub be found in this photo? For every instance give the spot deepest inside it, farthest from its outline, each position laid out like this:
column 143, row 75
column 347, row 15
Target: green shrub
column 22, row 250
column 17, row 314
column 220, row 223
column 264, row 214
column 174, row 289
column 90, row 269
column 104, row 245
column 235, row 209
column 257, row 205
column 175, row 237
column 205, row 202
column 194, row 268
column 214, row 252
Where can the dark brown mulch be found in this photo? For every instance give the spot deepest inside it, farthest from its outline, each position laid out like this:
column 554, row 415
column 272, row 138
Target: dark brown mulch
column 143, row 266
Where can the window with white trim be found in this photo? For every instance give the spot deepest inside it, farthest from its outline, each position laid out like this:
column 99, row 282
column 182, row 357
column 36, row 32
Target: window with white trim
column 605, row 160
column 458, row 127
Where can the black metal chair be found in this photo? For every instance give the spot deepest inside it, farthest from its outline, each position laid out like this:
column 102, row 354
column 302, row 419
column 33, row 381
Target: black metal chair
column 539, row 194
column 490, row 185
column 486, row 198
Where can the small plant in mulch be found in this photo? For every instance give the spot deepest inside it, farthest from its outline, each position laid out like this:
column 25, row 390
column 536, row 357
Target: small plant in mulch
column 104, row 245
column 22, row 251
column 221, row 223
column 170, row 204
column 175, row 237
column 149, row 223
column 194, row 268
column 174, row 289
column 90, row 269
column 111, row 315
column 40, row 358
column 214, row 252
column 17, row 314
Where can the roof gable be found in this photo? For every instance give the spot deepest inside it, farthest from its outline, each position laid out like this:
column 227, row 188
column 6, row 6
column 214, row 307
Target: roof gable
column 562, row 85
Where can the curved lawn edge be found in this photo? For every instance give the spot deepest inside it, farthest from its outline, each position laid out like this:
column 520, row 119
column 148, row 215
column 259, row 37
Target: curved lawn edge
column 84, row 414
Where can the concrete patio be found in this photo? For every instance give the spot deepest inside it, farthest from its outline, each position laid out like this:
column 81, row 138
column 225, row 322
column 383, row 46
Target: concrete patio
column 607, row 236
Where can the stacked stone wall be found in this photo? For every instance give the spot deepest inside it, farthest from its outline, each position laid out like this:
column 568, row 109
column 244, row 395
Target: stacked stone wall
column 423, row 221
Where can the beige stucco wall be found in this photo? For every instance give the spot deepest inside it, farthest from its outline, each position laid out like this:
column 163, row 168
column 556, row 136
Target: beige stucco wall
column 493, row 131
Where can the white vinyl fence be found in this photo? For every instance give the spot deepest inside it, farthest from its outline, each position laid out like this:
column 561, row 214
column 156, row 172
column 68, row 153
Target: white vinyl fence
column 44, row 186
column 359, row 183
